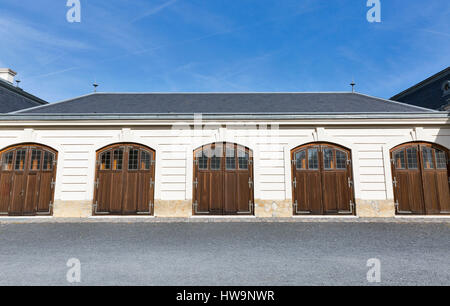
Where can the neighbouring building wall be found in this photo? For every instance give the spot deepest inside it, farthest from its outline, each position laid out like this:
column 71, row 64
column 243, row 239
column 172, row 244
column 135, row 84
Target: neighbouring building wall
column 271, row 145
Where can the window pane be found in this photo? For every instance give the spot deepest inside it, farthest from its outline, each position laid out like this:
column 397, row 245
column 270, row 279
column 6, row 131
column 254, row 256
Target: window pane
column 427, row 154
column 48, row 161
column 243, row 159
column 411, row 154
column 117, row 159
column 35, row 159
column 313, row 159
column 7, row 164
column 230, row 158
column 133, row 159
column 202, row 159
column 216, row 158
column 399, row 159
column 341, row 160
column 105, row 161
column 328, row 158
column 441, row 160
column 20, row 160
column 300, row 158
column 145, row 160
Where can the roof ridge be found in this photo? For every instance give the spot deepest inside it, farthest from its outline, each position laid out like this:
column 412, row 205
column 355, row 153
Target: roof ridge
column 51, row 104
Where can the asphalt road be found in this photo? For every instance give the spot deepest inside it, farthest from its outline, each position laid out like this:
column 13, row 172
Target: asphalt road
column 225, row 253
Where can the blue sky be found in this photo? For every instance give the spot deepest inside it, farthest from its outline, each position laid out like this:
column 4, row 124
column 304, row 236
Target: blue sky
column 223, row 45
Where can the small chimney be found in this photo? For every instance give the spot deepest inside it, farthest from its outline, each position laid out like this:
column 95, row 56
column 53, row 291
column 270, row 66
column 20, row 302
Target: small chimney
column 7, row 75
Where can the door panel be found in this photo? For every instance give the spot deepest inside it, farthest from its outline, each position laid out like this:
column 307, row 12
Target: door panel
column 45, row 192
column 125, row 176
column 26, row 178
column 223, row 180
column 409, row 191
column 204, row 192
column 5, row 191
column 322, row 180
column 31, row 194
column 216, row 192
column 232, row 201
column 18, row 194
column 443, row 194
column 431, row 196
column 309, row 192
column 336, row 197
column 421, row 179
column 243, row 192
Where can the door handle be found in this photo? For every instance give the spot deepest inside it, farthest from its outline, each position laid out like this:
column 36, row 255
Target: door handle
column 21, row 193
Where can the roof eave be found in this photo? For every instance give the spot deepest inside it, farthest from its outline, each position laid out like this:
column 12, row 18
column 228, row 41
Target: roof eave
column 222, row 116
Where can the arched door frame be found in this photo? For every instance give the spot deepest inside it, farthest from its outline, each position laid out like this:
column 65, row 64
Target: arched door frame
column 251, row 180
column 54, row 170
column 397, row 142
column 416, row 143
column 332, row 145
column 319, row 135
column 111, row 146
column 124, row 135
column 221, row 134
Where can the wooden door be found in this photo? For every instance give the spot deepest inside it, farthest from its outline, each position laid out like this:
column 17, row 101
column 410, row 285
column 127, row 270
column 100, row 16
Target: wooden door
column 322, row 180
column 421, row 179
column 27, row 180
column 125, row 180
column 223, row 180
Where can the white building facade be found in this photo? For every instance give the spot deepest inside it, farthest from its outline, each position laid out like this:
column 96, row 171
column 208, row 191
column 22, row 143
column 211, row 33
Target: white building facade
column 370, row 141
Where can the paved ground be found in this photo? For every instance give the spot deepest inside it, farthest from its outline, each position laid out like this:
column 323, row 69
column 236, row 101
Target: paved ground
column 225, row 253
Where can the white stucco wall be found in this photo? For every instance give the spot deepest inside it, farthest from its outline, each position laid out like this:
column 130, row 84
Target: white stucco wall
column 271, row 143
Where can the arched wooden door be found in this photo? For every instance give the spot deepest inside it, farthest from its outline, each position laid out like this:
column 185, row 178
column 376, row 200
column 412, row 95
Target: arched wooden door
column 421, row 179
column 125, row 180
column 27, row 179
column 322, row 180
column 223, row 180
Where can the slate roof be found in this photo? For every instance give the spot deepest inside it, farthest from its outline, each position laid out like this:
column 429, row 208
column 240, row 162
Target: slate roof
column 427, row 93
column 13, row 98
column 224, row 103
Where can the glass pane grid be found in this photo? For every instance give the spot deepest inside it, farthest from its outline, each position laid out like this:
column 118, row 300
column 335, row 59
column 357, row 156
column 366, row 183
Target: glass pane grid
column 133, row 159
column 243, row 160
column 231, row 163
column 20, row 160
column 399, row 160
column 47, row 163
column 441, row 160
column 35, row 164
column 313, row 159
column 118, row 159
column 230, row 158
column 145, row 160
column 203, row 162
column 7, row 164
column 428, row 162
column 215, row 163
column 106, row 161
column 328, row 161
column 300, row 160
column 411, row 154
column 341, row 160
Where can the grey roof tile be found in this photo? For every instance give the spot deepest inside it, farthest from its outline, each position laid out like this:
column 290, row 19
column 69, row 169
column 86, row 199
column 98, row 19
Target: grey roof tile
column 13, row 98
column 218, row 103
